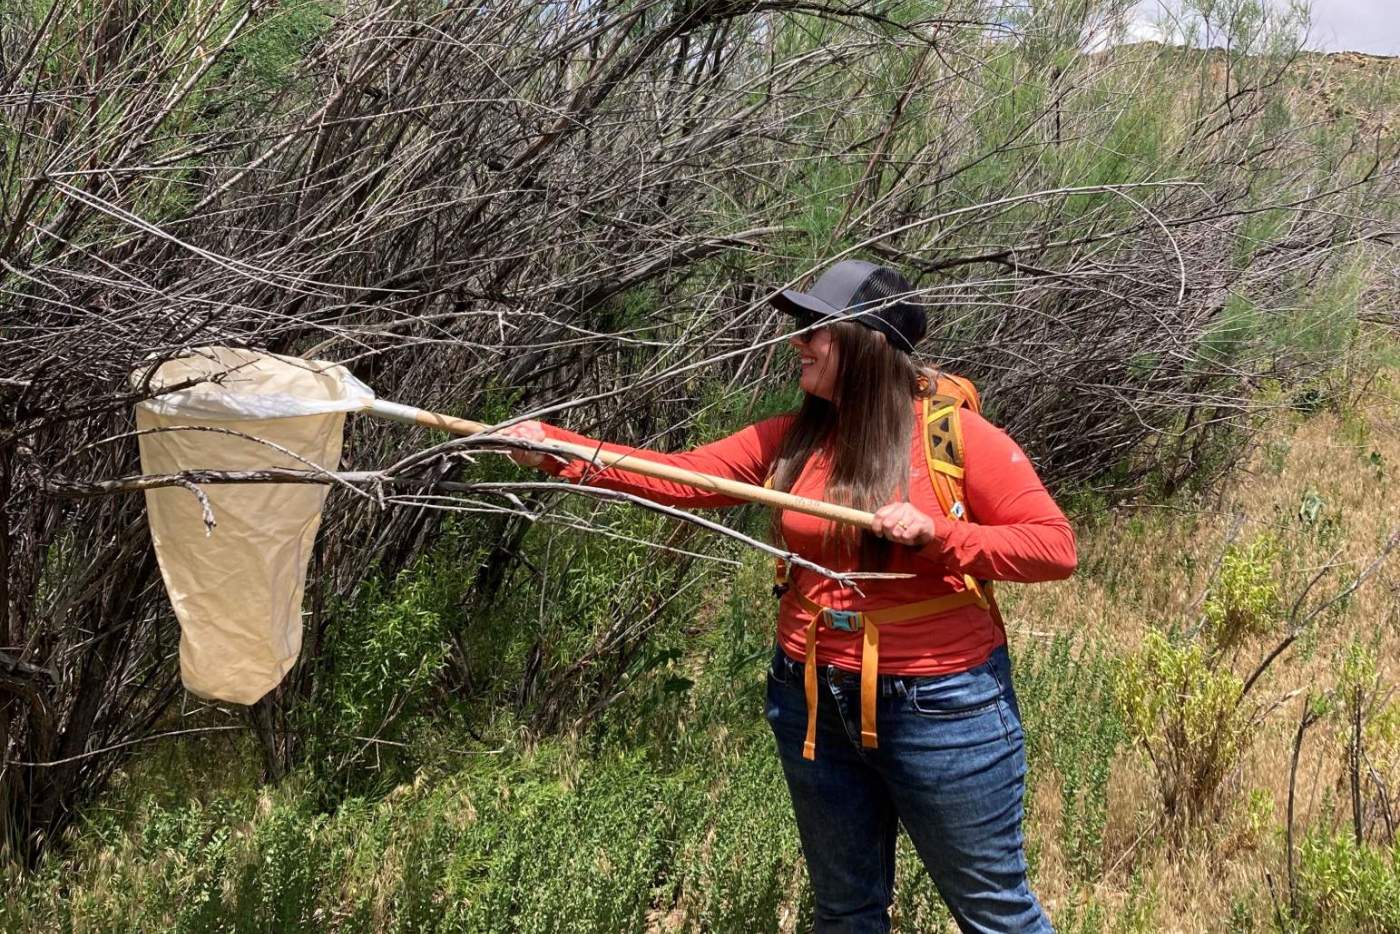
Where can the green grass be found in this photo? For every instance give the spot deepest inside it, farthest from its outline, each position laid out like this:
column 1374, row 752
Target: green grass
column 671, row 806
column 1073, row 732
column 1345, row 886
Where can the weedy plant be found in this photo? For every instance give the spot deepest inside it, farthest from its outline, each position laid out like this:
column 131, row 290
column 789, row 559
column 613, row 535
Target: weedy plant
column 1185, row 713
column 1073, row 732
column 1345, row 887
column 1245, row 600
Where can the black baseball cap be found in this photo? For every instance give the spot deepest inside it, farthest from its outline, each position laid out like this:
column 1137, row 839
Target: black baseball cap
column 849, row 287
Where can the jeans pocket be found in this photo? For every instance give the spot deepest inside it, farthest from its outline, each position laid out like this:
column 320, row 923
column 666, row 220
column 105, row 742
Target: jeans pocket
column 933, row 711
column 778, row 667
column 951, row 697
column 784, row 706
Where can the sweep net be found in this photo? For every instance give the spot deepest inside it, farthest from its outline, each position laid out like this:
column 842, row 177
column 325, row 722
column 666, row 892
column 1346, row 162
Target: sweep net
column 237, row 589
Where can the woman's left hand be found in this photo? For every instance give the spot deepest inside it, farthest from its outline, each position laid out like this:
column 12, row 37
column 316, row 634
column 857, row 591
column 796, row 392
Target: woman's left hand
column 901, row 522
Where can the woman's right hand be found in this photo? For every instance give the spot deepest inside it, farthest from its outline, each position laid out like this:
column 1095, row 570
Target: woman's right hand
column 526, row 431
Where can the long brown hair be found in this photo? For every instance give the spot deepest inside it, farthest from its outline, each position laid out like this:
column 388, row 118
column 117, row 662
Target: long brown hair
column 866, row 431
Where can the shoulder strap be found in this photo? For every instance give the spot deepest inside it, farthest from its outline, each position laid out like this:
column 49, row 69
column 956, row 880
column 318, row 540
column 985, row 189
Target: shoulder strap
column 943, row 452
column 780, row 566
column 960, row 387
column 943, row 441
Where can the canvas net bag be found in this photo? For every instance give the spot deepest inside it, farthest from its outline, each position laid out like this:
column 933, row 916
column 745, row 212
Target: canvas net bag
column 237, row 588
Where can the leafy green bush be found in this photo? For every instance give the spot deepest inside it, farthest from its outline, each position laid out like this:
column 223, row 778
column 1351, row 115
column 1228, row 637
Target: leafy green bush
column 1245, row 599
column 277, row 887
column 380, row 665
column 555, row 855
column 1185, row 714
column 739, row 862
column 1087, row 913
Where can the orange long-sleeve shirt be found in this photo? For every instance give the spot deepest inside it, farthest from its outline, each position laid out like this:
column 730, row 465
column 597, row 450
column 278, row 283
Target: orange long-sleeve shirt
column 1017, row 533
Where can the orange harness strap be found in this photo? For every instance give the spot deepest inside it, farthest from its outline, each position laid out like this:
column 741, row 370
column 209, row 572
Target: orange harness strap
column 868, row 624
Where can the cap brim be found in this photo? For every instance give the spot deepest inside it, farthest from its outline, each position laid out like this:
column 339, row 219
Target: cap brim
column 792, row 302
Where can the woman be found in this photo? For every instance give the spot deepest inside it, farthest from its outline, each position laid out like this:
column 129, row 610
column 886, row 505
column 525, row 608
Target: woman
column 948, row 760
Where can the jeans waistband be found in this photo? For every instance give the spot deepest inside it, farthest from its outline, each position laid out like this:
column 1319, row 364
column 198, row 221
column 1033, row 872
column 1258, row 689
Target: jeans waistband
column 886, row 685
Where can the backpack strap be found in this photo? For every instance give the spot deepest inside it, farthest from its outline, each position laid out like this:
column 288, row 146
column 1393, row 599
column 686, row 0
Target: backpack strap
column 943, row 453
column 780, row 566
column 943, row 450
column 867, row 623
column 962, row 387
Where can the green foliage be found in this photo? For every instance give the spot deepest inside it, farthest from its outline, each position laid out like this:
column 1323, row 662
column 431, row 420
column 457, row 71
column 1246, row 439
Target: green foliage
column 1245, row 600
column 596, row 620
column 1235, row 330
column 1324, row 326
column 1073, row 731
column 578, row 856
column 1086, row 507
column 739, row 861
column 720, row 409
column 822, row 189
column 381, row 662
column 270, row 53
column 1320, row 524
column 538, row 843
column 1259, row 812
column 713, row 711
column 277, row 886
column 1085, row 913
column 545, row 840
column 1133, row 150
column 1257, row 231
column 1185, row 714
column 200, row 847
column 1348, row 887
column 1359, row 669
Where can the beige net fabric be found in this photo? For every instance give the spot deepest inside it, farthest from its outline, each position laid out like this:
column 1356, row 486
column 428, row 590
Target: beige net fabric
column 237, row 590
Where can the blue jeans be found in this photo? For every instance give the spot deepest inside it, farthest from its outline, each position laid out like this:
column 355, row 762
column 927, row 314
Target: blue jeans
column 950, row 767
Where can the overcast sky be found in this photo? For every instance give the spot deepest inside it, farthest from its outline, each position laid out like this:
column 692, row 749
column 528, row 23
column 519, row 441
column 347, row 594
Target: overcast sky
column 1337, row 25
column 1357, row 25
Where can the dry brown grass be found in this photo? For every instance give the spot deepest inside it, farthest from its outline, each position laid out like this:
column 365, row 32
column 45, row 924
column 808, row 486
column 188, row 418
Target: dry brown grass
column 1151, row 568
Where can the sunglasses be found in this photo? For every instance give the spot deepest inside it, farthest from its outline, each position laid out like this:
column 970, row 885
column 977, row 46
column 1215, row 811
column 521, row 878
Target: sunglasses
column 805, row 320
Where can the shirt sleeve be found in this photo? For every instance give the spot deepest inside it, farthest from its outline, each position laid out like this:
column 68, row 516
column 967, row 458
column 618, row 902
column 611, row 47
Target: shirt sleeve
column 746, row 456
column 1015, row 532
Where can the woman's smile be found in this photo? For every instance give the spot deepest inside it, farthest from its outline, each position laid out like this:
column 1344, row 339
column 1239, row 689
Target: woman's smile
column 817, row 361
